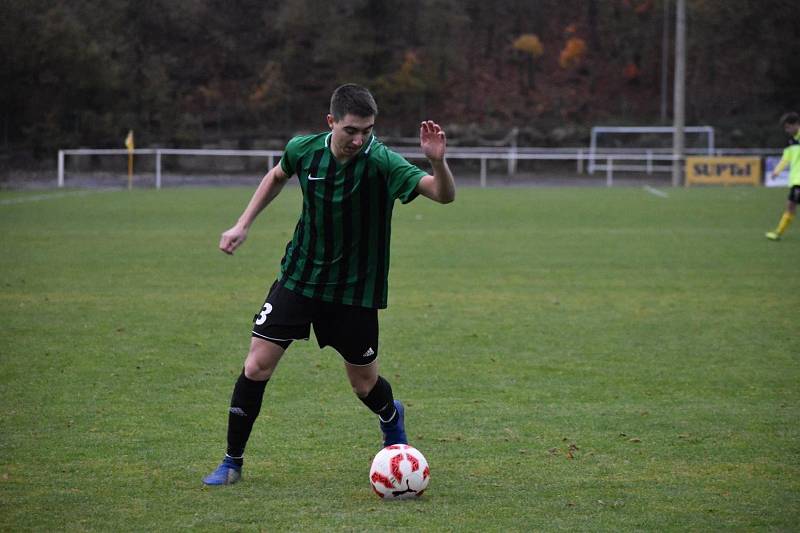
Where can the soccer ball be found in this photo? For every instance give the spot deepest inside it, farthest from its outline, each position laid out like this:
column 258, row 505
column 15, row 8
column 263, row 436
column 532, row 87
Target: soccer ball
column 398, row 472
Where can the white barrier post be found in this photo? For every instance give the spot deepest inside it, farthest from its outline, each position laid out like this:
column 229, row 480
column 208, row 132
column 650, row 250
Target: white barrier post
column 60, row 168
column 609, row 171
column 158, row 169
column 483, row 172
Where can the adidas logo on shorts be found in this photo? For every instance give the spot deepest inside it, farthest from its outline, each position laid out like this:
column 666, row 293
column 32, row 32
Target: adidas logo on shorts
column 369, row 352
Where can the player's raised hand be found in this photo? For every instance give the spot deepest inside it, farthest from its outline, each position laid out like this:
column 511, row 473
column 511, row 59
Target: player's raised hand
column 432, row 140
column 232, row 239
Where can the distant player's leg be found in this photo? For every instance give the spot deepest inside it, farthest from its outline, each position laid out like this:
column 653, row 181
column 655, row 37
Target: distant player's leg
column 248, row 393
column 788, row 215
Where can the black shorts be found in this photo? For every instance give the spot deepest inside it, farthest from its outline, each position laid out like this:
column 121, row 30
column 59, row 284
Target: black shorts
column 794, row 194
column 287, row 316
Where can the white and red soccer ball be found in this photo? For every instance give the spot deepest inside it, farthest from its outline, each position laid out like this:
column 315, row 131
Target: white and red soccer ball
column 398, row 472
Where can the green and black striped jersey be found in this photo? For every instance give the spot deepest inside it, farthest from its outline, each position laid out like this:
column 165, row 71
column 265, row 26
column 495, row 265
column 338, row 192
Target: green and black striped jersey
column 340, row 248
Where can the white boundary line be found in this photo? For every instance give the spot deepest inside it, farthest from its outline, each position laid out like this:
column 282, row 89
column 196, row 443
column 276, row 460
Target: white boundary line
column 656, row 192
column 50, row 196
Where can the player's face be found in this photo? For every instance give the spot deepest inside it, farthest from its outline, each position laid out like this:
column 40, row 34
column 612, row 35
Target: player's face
column 349, row 134
column 791, row 129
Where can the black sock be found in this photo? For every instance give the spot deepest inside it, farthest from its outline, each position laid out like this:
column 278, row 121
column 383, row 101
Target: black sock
column 245, row 406
column 380, row 400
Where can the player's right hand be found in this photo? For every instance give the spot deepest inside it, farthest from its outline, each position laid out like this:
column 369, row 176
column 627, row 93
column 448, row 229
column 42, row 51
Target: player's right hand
column 232, row 239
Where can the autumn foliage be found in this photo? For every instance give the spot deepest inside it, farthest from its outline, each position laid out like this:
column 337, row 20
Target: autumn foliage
column 84, row 72
column 573, row 53
column 530, row 44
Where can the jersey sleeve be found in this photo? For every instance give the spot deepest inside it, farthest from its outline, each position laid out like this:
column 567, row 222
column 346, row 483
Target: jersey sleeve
column 402, row 177
column 783, row 163
column 290, row 155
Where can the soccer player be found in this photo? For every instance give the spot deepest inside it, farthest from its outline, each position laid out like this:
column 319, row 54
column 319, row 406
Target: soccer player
column 791, row 157
column 333, row 275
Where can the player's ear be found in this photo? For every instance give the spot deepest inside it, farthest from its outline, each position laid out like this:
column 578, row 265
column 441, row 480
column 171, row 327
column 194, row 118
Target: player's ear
column 330, row 120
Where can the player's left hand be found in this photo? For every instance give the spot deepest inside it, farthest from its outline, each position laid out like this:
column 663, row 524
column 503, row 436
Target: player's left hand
column 432, row 140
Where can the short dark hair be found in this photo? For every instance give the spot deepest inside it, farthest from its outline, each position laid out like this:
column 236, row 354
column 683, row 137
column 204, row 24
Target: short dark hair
column 790, row 118
column 352, row 99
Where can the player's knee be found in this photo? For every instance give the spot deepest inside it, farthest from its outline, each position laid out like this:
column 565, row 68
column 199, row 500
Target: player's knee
column 363, row 385
column 261, row 361
column 361, row 390
column 256, row 371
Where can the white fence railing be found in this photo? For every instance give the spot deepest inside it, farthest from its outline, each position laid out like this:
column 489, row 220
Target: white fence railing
column 159, row 153
column 609, row 160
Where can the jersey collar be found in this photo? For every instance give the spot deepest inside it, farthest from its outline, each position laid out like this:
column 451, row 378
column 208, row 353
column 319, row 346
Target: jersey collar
column 364, row 149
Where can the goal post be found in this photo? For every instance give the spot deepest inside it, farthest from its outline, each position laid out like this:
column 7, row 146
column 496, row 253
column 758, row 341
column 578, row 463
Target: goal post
column 706, row 131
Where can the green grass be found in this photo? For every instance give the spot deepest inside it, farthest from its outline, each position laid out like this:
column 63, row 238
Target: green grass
column 572, row 359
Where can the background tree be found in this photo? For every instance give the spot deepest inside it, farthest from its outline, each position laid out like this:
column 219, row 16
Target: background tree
column 530, row 45
column 83, row 72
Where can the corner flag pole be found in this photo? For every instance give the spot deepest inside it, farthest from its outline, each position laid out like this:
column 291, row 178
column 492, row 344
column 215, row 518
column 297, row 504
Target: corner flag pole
column 129, row 145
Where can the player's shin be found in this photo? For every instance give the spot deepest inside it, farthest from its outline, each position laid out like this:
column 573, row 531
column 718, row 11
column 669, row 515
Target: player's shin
column 380, row 400
column 245, row 406
column 783, row 225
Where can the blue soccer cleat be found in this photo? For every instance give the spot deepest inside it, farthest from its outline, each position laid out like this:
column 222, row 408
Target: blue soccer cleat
column 227, row 473
column 394, row 431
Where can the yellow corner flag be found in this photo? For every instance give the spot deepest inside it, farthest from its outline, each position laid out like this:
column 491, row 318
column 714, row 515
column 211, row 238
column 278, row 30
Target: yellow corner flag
column 129, row 141
column 129, row 145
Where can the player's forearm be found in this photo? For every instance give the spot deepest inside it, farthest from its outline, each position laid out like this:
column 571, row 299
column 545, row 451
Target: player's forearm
column 267, row 190
column 780, row 166
column 444, row 181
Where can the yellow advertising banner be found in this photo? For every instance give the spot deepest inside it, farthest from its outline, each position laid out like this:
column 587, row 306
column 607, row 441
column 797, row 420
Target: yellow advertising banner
column 723, row 171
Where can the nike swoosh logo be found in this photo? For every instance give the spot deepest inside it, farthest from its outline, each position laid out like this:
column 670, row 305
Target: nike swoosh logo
column 315, row 178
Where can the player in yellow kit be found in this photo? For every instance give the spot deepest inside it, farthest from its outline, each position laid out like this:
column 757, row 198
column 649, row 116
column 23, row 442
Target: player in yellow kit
column 791, row 157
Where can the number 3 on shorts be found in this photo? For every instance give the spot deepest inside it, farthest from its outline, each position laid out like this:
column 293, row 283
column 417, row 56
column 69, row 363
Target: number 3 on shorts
column 264, row 312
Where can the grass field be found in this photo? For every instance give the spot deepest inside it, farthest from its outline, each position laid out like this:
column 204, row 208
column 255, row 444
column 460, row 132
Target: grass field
column 571, row 359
